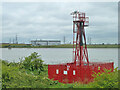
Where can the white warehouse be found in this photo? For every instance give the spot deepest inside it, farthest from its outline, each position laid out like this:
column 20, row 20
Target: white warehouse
column 45, row 42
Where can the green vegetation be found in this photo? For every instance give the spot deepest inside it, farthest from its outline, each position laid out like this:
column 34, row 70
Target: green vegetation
column 0, row 74
column 106, row 79
column 58, row 46
column 15, row 45
column 32, row 73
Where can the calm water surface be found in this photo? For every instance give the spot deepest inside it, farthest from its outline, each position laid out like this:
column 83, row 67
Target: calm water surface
column 60, row 55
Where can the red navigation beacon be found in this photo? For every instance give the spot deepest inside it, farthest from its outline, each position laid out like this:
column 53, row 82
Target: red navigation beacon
column 81, row 69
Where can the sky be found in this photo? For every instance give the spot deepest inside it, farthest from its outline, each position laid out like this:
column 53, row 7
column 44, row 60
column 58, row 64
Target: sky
column 52, row 20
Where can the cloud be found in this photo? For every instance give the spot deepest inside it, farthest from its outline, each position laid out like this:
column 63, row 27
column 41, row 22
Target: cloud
column 53, row 20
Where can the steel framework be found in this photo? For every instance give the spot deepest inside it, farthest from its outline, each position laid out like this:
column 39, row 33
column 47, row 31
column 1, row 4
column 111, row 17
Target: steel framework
column 80, row 70
column 80, row 53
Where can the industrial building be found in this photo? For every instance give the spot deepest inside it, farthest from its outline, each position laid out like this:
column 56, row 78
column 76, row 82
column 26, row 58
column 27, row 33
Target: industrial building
column 45, row 42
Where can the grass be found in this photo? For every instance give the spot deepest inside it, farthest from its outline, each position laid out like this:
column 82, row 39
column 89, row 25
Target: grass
column 15, row 45
column 17, row 75
column 14, row 77
column 58, row 46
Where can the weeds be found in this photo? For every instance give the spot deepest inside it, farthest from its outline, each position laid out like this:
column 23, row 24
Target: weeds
column 32, row 73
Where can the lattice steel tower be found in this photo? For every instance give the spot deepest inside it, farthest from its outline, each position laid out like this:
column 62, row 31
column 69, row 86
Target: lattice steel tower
column 80, row 54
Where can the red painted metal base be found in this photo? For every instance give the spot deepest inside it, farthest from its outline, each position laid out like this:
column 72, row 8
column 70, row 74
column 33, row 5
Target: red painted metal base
column 79, row 70
column 70, row 73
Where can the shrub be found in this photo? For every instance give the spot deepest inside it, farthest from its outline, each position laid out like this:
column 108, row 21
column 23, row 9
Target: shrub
column 33, row 62
column 106, row 79
column 32, row 73
column 13, row 77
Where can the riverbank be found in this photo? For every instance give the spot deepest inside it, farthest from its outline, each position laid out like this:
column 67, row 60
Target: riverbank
column 58, row 46
column 32, row 73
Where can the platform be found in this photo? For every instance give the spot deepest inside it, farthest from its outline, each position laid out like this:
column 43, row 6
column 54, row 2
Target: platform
column 69, row 72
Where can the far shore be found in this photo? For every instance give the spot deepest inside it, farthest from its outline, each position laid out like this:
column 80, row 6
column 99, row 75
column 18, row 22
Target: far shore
column 58, row 46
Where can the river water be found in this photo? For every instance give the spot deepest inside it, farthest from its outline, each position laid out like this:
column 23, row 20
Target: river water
column 60, row 55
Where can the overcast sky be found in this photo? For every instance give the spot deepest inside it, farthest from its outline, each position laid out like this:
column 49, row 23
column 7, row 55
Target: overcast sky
column 53, row 21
